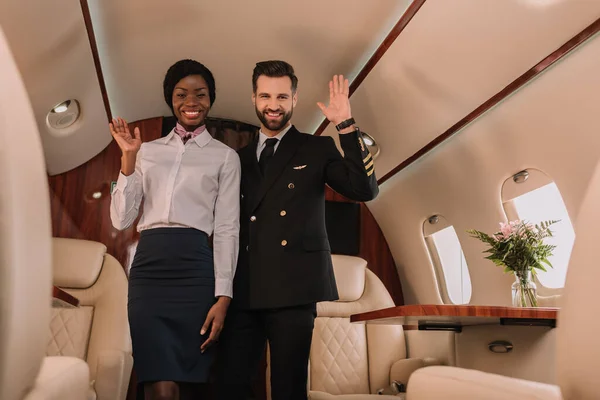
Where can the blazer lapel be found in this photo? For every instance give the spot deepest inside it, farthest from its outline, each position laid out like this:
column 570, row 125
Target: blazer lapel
column 284, row 153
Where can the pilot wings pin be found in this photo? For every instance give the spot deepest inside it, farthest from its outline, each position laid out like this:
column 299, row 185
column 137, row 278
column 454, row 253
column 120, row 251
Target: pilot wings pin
column 300, row 166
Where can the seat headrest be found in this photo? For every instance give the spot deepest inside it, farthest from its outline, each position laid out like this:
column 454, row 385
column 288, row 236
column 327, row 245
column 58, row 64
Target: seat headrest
column 77, row 263
column 350, row 276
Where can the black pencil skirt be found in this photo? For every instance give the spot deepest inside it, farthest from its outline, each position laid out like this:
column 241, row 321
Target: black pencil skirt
column 171, row 289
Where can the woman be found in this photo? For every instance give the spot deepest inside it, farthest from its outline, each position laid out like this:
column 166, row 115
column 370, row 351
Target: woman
column 190, row 186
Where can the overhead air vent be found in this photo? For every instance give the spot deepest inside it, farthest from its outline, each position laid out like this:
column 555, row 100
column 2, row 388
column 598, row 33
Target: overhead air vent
column 63, row 115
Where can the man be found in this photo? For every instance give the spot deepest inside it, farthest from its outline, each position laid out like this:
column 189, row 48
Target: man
column 285, row 265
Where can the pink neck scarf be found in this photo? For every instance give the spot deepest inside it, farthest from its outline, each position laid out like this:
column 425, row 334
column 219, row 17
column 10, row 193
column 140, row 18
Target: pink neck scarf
column 185, row 135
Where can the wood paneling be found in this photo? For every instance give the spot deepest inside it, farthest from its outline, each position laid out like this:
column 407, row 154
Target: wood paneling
column 76, row 213
column 374, row 248
column 459, row 315
column 515, row 85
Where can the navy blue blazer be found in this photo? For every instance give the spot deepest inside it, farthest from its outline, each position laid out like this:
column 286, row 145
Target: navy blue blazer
column 285, row 258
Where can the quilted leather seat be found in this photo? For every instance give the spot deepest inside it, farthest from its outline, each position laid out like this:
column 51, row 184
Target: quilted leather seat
column 83, row 269
column 352, row 361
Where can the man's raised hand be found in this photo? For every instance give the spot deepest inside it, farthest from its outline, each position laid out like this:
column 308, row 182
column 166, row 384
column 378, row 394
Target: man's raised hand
column 338, row 109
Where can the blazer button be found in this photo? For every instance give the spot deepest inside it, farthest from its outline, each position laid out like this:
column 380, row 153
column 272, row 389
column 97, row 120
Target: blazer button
column 282, row 213
column 253, row 218
column 247, row 248
column 291, row 185
column 284, row 242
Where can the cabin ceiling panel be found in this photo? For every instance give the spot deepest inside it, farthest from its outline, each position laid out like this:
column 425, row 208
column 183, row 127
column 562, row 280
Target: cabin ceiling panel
column 139, row 39
column 50, row 44
column 452, row 57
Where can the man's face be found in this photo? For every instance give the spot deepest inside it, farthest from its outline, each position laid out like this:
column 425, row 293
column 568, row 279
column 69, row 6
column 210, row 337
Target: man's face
column 274, row 101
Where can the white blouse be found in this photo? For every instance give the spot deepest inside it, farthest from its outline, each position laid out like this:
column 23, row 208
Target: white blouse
column 196, row 185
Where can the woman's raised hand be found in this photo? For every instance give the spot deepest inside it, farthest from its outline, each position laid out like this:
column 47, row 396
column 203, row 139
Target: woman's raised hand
column 127, row 142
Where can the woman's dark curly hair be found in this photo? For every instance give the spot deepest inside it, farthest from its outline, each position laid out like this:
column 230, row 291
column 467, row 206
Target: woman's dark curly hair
column 180, row 70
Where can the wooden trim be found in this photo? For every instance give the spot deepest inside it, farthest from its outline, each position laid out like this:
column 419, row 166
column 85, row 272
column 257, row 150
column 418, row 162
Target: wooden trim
column 92, row 38
column 61, row 295
column 408, row 15
column 515, row 85
column 373, row 248
column 425, row 310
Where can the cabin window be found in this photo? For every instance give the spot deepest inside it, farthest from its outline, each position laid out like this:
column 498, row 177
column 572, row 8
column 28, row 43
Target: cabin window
column 532, row 196
column 448, row 259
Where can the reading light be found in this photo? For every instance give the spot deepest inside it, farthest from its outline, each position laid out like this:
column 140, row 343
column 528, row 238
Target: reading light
column 98, row 192
column 371, row 144
column 521, row 177
column 62, row 107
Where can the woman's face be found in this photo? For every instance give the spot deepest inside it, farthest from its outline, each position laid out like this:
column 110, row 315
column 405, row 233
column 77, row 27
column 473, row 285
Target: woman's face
column 191, row 101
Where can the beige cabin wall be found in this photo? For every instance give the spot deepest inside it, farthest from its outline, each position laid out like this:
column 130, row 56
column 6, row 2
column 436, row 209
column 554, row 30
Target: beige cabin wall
column 552, row 124
column 532, row 356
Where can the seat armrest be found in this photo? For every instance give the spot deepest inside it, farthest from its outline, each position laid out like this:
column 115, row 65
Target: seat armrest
column 452, row 383
column 112, row 375
column 61, row 378
column 401, row 370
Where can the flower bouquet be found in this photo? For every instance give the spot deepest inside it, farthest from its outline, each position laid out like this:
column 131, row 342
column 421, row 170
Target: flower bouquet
column 519, row 247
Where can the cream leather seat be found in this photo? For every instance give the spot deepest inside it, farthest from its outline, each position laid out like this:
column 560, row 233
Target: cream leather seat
column 83, row 269
column 354, row 361
column 577, row 351
column 26, row 256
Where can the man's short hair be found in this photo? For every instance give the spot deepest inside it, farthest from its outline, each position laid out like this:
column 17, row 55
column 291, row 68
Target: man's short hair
column 274, row 69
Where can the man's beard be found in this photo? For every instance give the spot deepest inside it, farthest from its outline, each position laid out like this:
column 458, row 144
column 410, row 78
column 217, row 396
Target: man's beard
column 274, row 125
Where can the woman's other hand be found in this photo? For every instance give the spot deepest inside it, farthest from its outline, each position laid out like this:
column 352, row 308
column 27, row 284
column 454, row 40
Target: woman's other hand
column 215, row 319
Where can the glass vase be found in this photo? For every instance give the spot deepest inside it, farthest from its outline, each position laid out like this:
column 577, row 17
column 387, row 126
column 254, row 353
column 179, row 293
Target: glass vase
column 524, row 291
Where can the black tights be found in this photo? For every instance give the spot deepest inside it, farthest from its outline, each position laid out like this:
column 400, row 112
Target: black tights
column 173, row 391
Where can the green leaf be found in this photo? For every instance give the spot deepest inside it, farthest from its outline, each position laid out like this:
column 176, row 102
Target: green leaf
column 545, row 261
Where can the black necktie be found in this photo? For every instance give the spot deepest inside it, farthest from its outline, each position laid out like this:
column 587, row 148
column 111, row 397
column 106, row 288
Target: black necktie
column 266, row 154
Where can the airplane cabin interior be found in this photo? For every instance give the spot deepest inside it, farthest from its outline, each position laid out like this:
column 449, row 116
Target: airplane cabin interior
column 480, row 118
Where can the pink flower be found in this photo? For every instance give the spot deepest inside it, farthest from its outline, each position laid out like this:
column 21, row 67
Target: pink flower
column 506, row 229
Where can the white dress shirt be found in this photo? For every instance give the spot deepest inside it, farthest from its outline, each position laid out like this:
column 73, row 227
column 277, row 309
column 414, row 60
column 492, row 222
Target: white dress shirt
column 196, row 185
column 262, row 138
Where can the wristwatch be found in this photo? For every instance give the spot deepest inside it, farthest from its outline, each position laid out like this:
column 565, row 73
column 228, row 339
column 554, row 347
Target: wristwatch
column 345, row 124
